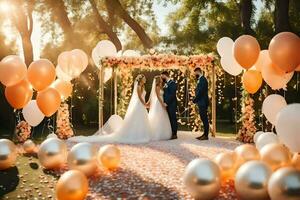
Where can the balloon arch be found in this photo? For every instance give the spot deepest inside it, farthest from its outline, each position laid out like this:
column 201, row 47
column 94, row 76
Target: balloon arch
column 122, row 77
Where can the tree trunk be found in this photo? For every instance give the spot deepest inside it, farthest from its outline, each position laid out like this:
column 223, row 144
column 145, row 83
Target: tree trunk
column 246, row 8
column 282, row 16
column 116, row 6
column 27, row 49
column 106, row 27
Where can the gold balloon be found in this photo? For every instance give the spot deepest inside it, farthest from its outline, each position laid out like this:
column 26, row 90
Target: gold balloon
column 275, row 155
column 202, row 179
column 82, row 157
column 284, row 184
column 52, row 153
column 296, row 161
column 29, row 146
column 109, row 156
column 72, row 185
column 246, row 152
column 251, row 180
column 8, row 154
column 227, row 163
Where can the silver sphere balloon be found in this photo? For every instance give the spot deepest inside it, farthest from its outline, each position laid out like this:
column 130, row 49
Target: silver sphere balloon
column 52, row 153
column 285, row 184
column 8, row 154
column 82, row 157
column 29, row 146
column 251, row 180
column 202, row 179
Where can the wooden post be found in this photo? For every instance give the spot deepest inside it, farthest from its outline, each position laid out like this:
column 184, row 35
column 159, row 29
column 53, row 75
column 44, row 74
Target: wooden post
column 115, row 76
column 214, row 109
column 101, row 97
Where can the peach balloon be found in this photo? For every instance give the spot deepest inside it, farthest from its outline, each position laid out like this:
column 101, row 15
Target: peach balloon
column 48, row 101
column 19, row 95
column 252, row 81
column 228, row 163
column 246, row 51
column 41, row 74
column 83, row 57
column 12, row 70
column 64, row 88
column 246, row 152
column 298, row 68
column 284, row 51
column 70, row 64
column 72, row 185
column 109, row 156
column 262, row 60
column 296, row 160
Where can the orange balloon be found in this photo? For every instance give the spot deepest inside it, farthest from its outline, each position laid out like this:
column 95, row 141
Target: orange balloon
column 296, row 160
column 72, row 185
column 228, row 163
column 64, row 88
column 12, row 70
column 246, row 50
column 298, row 68
column 246, row 152
column 48, row 101
column 252, row 81
column 19, row 95
column 41, row 74
column 284, row 51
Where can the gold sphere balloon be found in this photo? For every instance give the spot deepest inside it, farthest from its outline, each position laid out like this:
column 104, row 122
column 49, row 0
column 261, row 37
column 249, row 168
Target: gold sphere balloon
column 52, row 153
column 246, row 152
column 8, row 154
column 82, row 157
column 296, row 160
column 284, row 184
column 227, row 163
column 251, row 180
column 72, row 185
column 202, row 179
column 29, row 146
column 109, row 156
column 275, row 155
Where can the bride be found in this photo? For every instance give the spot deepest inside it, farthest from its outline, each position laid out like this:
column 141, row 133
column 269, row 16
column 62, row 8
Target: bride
column 135, row 127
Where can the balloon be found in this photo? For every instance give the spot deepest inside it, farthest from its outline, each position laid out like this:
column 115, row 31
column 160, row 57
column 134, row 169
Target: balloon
column 96, row 58
column 298, row 68
column 72, row 185
column 52, row 135
column 107, row 74
column 296, row 160
column 224, row 46
column 41, row 73
column 256, row 135
column 272, row 105
column 71, row 64
column 266, row 138
column 8, row 154
column 131, row 53
column 230, row 65
column 12, row 70
column 262, row 60
column 275, row 155
column 29, row 146
column 32, row 113
column 288, row 126
column 83, row 57
column 63, row 87
column 109, row 156
column 284, row 51
column 202, row 179
column 19, row 95
column 82, row 157
column 285, row 184
column 48, row 101
column 119, row 53
column 246, row 152
column 251, row 180
column 52, row 153
column 252, row 81
column 227, row 163
column 104, row 48
column 62, row 75
column 246, row 51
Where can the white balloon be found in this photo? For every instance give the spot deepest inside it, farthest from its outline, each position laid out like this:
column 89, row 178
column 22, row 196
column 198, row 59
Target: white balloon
column 32, row 113
column 120, row 53
column 266, row 138
column 131, row 53
column 272, row 105
column 256, row 135
column 96, row 58
column 288, row 126
column 52, row 135
column 62, row 75
column 230, row 65
column 224, row 46
column 104, row 48
column 107, row 73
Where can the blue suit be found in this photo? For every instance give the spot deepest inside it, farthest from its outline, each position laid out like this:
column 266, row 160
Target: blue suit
column 171, row 100
column 202, row 101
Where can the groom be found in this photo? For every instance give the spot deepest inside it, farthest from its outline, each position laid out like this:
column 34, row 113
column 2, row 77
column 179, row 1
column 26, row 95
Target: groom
column 170, row 100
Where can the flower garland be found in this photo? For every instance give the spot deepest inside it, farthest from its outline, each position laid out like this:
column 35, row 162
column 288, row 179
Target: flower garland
column 64, row 128
column 23, row 131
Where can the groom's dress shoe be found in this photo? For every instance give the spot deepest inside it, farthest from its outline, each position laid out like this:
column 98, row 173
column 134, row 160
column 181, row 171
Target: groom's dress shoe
column 174, row 137
column 203, row 137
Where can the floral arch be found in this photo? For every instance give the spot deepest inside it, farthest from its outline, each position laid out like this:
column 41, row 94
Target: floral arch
column 180, row 67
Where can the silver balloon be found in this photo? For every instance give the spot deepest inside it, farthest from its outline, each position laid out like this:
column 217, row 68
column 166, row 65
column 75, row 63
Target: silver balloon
column 82, row 157
column 52, row 153
column 285, row 184
column 8, row 154
column 29, row 146
column 202, row 179
column 251, row 180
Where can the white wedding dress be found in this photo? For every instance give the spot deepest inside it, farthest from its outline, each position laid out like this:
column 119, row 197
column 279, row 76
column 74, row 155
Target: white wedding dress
column 134, row 129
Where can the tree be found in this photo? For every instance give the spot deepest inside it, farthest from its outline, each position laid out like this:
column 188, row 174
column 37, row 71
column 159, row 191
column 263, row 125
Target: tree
column 281, row 16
